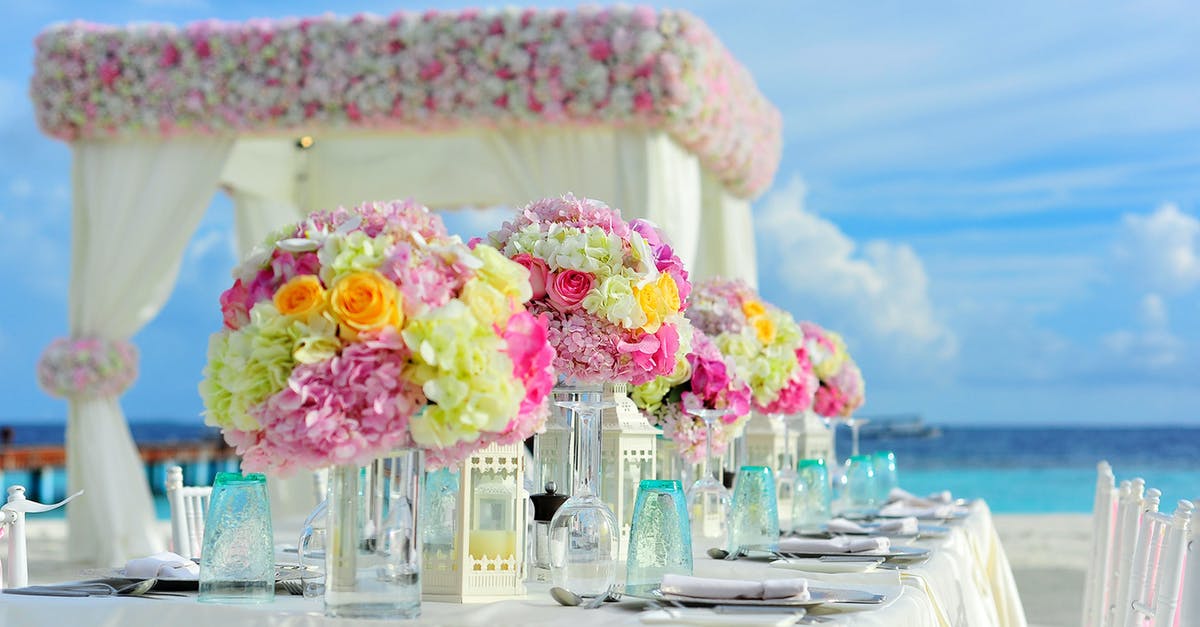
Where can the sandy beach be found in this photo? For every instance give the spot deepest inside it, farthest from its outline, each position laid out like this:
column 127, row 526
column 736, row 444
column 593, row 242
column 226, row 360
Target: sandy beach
column 1048, row 554
column 1049, row 557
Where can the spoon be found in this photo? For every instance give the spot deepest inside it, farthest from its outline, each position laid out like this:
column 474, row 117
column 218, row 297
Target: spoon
column 570, row 599
column 718, row 554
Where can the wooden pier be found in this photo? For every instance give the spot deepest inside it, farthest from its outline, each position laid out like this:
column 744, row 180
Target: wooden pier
column 41, row 468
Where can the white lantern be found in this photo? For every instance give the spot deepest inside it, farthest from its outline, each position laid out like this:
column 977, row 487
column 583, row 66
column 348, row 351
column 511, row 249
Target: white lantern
column 484, row 558
column 765, row 443
column 627, row 455
column 814, row 439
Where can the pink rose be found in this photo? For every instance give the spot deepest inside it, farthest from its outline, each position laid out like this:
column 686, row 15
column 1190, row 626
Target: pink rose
column 538, row 273
column 567, row 288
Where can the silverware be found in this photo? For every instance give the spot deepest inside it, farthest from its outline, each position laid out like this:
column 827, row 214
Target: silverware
column 293, row 586
column 570, row 599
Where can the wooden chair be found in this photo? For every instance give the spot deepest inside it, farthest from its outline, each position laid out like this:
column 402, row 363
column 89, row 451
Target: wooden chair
column 1156, row 573
column 189, row 506
column 1104, row 511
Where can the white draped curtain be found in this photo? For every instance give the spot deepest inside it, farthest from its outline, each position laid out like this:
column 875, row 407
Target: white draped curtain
column 136, row 205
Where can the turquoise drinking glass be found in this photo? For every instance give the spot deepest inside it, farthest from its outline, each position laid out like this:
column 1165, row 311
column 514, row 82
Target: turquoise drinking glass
column 860, row 494
column 886, row 477
column 813, row 495
column 660, row 540
column 754, row 515
column 237, row 561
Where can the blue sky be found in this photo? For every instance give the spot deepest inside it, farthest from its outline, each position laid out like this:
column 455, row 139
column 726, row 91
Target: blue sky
column 997, row 204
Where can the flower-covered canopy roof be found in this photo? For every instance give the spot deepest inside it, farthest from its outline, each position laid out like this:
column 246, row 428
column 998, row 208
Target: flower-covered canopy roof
column 627, row 67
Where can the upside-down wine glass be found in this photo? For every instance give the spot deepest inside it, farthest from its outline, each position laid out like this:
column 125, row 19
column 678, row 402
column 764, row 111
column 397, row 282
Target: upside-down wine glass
column 785, row 479
column 584, row 535
column 708, row 500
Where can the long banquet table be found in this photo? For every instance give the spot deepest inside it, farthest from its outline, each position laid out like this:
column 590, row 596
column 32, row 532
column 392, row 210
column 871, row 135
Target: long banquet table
column 966, row 581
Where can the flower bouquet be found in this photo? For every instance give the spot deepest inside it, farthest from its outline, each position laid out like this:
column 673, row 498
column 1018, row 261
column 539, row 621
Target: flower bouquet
column 87, row 367
column 613, row 292
column 763, row 341
column 841, row 389
column 359, row 331
column 704, row 380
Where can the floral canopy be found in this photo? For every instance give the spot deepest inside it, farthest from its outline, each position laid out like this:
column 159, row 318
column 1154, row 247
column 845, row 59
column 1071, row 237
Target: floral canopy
column 644, row 109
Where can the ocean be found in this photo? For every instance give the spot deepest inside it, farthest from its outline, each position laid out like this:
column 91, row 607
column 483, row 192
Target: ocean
column 1017, row 470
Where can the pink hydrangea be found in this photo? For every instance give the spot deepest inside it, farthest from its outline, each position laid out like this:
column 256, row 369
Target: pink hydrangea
column 345, row 410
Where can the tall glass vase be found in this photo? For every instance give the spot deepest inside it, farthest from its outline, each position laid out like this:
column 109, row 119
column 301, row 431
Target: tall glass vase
column 584, row 535
column 785, row 478
column 373, row 556
column 707, row 498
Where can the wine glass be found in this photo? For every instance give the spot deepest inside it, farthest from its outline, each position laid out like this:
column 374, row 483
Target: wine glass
column 708, row 500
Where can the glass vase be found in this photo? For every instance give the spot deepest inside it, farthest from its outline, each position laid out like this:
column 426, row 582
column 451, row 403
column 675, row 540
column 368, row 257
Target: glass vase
column 707, row 498
column 584, row 535
column 373, row 555
column 785, row 477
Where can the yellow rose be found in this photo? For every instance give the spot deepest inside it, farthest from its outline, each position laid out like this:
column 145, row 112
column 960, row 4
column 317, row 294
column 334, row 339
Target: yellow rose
column 650, row 300
column 364, row 301
column 764, row 328
column 488, row 304
column 753, row 309
column 300, row 296
column 670, row 294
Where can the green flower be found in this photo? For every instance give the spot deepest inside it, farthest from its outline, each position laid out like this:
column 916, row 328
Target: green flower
column 503, row 274
column 248, row 365
column 614, row 300
column 354, row 252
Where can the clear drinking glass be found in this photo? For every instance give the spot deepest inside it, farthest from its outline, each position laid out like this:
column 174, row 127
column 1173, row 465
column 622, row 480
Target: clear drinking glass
column 584, row 535
column 754, row 517
column 785, row 479
column 660, row 541
column 886, row 476
column 708, row 500
column 859, row 494
column 237, row 563
column 373, row 553
column 310, row 550
column 813, row 496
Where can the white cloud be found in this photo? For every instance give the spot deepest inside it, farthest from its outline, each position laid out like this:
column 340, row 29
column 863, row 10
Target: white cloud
column 1160, row 249
column 20, row 187
column 880, row 292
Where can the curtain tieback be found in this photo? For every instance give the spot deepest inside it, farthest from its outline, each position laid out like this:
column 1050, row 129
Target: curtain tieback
column 87, row 367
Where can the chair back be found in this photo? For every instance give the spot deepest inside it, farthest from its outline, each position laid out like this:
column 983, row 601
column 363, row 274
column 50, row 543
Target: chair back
column 189, row 507
column 1104, row 512
column 1156, row 573
column 15, row 572
column 1129, row 516
column 1189, row 601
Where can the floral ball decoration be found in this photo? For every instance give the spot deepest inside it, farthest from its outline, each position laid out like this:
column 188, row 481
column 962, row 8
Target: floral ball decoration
column 87, row 367
column 704, row 379
column 358, row 331
column 842, row 389
column 764, row 342
column 614, row 292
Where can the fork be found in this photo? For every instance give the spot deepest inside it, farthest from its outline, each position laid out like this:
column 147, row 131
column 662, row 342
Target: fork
column 293, row 586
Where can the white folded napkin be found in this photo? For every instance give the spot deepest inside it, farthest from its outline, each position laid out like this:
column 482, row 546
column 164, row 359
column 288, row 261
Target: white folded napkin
column 901, row 509
column 166, row 564
column 707, row 588
column 937, row 498
column 907, row 526
column 839, row 544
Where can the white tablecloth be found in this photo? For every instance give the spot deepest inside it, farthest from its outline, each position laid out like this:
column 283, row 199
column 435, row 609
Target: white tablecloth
column 967, row 581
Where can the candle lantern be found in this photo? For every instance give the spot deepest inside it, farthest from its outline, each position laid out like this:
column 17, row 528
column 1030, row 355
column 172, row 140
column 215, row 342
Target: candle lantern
column 814, row 438
column 765, row 442
column 482, row 558
column 627, row 455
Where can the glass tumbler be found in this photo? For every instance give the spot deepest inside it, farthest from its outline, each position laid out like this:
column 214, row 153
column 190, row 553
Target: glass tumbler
column 237, row 563
column 886, row 477
column 859, row 495
column 813, row 496
column 754, row 516
column 660, row 541
column 310, row 550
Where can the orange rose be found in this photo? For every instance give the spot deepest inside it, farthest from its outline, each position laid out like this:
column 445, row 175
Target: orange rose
column 764, row 328
column 753, row 309
column 301, row 296
column 364, row 301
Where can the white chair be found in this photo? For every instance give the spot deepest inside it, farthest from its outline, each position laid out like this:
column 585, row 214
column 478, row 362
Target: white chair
column 1129, row 515
column 1095, row 603
column 189, row 506
column 1189, row 607
column 1157, row 570
column 12, row 525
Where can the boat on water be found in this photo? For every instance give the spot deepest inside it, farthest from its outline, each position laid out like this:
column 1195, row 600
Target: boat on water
column 897, row 426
